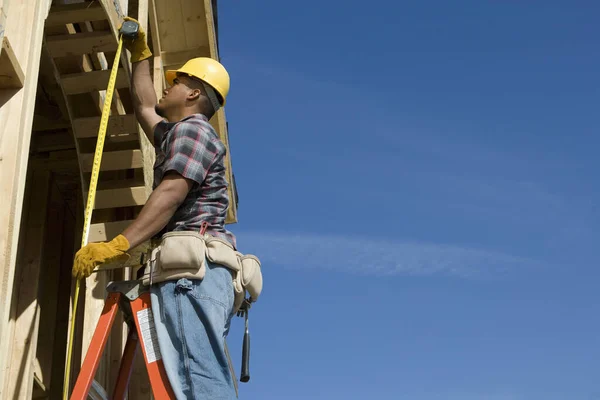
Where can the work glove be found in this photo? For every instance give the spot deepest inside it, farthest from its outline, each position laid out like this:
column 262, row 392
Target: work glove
column 138, row 47
column 94, row 254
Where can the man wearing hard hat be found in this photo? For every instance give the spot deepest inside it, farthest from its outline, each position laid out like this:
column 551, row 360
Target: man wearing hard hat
column 192, row 293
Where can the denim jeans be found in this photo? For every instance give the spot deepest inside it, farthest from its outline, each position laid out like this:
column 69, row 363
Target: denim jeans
column 192, row 319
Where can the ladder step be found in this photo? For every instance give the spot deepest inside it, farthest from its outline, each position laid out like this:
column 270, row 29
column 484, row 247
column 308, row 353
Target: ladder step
column 93, row 81
column 117, row 125
column 104, row 231
column 114, row 160
column 122, row 197
column 72, row 13
column 80, row 43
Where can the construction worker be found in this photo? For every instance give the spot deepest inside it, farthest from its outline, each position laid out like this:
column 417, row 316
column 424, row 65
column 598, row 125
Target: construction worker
column 192, row 316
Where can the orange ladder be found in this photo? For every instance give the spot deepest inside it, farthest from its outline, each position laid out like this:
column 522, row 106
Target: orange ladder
column 134, row 300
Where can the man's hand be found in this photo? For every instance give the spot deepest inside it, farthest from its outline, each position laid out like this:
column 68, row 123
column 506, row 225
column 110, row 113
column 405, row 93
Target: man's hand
column 138, row 47
column 94, row 254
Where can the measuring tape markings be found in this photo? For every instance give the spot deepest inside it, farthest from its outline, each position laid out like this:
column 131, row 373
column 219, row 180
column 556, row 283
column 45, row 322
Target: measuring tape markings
column 89, row 207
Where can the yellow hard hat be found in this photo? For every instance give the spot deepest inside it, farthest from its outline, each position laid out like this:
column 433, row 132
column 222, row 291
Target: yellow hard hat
column 206, row 69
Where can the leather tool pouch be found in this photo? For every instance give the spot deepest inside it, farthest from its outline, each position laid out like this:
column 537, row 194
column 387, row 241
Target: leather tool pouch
column 180, row 254
column 183, row 254
column 182, row 250
column 245, row 269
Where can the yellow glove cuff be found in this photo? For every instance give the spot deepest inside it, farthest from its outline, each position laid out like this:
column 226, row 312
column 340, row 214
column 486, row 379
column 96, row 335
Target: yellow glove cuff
column 140, row 53
column 120, row 243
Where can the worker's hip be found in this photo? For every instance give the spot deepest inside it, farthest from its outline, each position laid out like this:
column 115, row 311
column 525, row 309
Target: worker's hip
column 192, row 319
column 215, row 287
column 186, row 254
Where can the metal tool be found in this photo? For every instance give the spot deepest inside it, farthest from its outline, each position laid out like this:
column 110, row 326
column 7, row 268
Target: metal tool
column 243, row 312
column 130, row 30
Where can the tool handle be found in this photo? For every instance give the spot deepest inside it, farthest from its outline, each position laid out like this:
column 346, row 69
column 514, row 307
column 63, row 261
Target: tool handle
column 130, row 29
column 245, row 375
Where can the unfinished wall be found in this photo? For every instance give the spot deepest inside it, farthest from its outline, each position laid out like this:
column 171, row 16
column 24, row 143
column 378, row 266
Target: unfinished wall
column 16, row 118
column 48, row 125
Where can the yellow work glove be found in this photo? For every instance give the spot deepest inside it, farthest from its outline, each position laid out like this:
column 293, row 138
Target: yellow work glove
column 138, row 47
column 94, row 254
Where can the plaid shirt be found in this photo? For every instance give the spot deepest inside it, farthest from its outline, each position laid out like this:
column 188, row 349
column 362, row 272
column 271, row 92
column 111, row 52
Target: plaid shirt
column 192, row 148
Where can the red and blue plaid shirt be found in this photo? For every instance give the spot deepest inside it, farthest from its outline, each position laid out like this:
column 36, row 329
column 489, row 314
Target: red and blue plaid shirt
column 192, row 148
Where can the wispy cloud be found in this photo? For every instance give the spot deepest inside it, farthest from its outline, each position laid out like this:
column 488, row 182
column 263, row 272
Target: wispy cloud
column 474, row 396
column 374, row 256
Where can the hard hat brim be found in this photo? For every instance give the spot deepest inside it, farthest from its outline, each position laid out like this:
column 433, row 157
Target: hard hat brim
column 171, row 74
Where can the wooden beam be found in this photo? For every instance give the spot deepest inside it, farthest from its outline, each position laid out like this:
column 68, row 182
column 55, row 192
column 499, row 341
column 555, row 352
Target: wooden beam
column 81, row 43
column 71, row 13
column 93, row 81
column 41, row 123
column 104, row 231
column 49, row 283
column 27, row 312
column 124, row 197
column 117, row 125
column 114, row 160
column 219, row 120
column 175, row 59
column 153, row 24
column 210, row 28
column 11, row 73
column 52, row 141
column 25, row 27
column 195, row 17
column 63, row 305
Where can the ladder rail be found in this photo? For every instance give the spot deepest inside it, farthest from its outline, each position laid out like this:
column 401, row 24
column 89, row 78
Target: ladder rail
column 133, row 299
column 94, row 353
column 126, row 366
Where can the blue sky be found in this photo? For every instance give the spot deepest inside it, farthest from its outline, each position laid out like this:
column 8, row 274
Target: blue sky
column 420, row 180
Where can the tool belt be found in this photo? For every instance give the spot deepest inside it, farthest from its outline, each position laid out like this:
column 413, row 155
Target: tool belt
column 183, row 254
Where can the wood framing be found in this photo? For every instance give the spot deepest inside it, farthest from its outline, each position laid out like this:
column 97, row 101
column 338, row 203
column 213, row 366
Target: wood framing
column 16, row 119
column 53, row 79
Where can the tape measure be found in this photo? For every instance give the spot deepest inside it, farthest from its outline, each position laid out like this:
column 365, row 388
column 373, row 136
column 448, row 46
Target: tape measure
column 128, row 30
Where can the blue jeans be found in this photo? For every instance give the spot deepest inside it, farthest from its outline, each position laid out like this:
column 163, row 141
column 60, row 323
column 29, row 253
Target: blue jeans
column 192, row 319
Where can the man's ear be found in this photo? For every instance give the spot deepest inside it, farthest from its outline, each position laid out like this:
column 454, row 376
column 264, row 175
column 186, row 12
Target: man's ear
column 194, row 94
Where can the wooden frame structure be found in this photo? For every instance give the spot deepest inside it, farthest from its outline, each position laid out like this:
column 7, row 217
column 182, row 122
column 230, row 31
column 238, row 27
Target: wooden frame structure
column 54, row 63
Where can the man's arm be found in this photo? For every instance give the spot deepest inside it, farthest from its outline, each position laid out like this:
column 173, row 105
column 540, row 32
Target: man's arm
column 144, row 97
column 142, row 87
column 158, row 210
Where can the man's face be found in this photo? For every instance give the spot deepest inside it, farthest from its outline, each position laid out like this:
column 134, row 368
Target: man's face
column 175, row 96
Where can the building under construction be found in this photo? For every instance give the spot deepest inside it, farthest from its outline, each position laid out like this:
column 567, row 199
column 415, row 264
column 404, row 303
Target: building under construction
column 55, row 64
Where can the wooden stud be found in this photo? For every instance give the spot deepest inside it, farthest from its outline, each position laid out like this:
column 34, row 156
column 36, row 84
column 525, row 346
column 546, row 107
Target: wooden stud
column 175, row 59
column 25, row 27
column 117, row 125
column 27, row 311
column 124, row 197
column 219, row 120
column 114, row 160
column 80, row 43
column 93, row 81
column 79, row 12
column 11, row 73
column 153, row 25
column 103, row 231
column 49, row 284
